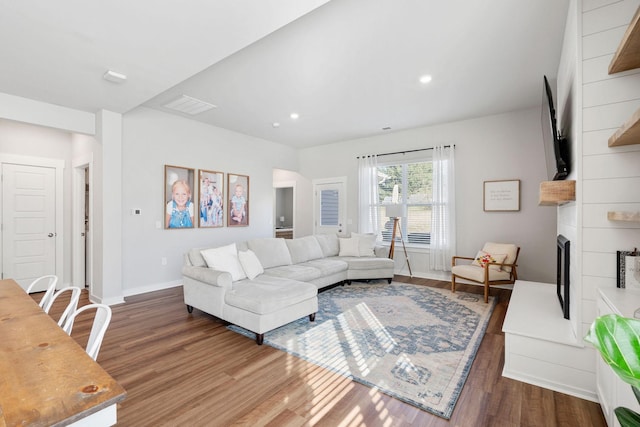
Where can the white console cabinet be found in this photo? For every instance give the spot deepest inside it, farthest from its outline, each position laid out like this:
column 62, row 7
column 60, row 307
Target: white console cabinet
column 612, row 391
column 541, row 347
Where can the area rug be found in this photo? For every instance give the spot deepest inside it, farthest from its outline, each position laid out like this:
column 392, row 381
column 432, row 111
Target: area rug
column 415, row 343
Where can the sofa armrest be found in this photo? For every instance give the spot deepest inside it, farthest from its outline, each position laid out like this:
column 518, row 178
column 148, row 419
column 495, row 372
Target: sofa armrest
column 210, row 276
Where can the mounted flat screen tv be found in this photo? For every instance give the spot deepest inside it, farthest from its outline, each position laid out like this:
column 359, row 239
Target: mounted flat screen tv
column 556, row 147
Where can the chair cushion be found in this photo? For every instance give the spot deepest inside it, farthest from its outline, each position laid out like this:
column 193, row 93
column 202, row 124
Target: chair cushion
column 509, row 249
column 475, row 273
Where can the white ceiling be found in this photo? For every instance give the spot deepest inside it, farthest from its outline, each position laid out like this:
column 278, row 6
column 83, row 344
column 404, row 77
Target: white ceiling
column 347, row 67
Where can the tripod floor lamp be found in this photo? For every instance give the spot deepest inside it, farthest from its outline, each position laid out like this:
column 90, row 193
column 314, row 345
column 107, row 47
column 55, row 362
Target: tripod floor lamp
column 395, row 212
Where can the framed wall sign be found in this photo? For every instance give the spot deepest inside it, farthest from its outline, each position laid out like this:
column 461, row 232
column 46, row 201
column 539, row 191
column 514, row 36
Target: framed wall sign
column 628, row 269
column 238, row 195
column 178, row 197
column 211, row 206
column 501, row 196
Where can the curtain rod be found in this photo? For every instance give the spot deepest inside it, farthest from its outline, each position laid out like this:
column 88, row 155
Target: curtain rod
column 407, row 151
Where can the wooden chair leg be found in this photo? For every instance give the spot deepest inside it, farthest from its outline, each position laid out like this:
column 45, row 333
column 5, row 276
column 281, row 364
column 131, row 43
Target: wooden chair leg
column 453, row 283
column 486, row 292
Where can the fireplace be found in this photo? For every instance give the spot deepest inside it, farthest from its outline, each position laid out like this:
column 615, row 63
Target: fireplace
column 562, row 275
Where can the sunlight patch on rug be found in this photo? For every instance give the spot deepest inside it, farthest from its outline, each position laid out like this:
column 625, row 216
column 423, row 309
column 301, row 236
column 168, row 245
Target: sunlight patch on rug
column 415, row 343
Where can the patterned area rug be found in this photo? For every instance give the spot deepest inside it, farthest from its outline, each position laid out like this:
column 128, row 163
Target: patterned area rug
column 414, row 343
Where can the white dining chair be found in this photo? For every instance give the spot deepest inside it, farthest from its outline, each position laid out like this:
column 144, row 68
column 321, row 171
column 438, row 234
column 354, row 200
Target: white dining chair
column 72, row 306
column 51, row 288
column 98, row 329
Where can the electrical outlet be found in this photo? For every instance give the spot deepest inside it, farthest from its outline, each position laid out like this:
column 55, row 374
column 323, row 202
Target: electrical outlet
column 164, row 261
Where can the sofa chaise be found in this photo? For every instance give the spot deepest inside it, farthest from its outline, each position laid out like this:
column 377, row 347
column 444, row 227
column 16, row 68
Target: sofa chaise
column 264, row 283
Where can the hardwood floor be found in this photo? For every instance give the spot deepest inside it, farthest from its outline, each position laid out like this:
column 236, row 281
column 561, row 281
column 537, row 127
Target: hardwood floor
column 189, row 370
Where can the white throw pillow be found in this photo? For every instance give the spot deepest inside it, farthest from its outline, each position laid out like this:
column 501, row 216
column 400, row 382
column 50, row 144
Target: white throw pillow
column 366, row 243
column 224, row 258
column 250, row 263
column 349, row 247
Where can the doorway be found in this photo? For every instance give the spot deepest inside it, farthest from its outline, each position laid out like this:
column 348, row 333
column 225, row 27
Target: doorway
column 82, row 252
column 329, row 206
column 32, row 210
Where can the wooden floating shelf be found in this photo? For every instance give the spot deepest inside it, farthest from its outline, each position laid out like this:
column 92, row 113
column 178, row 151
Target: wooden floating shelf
column 623, row 216
column 628, row 134
column 553, row 193
column 627, row 56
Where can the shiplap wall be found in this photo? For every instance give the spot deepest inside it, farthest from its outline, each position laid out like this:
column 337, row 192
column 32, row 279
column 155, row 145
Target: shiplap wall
column 609, row 178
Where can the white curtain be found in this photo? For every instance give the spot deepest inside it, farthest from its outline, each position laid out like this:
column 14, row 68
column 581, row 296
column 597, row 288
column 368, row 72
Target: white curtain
column 368, row 194
column 443, row 214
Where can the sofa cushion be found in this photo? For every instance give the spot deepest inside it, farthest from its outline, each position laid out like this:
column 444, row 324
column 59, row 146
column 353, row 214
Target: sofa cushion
column 349, row 246
column 329, row 244
column 366, row 243
column 328, row 267
column 268, row 294
column 301, row 272
column 224, row 258
column 271, row 251
column 303, row 249
column 367, row 263
column 195, row 258
column 250, row 263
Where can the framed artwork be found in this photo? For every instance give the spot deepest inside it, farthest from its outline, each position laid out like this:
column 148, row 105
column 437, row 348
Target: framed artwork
column 238, row 196
column 211, row 199
column 501, row 196
column 628, row 269
column 179, row 208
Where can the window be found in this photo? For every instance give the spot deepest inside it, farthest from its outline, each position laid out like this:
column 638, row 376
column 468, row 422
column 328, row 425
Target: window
column 409, row 184
column 329, row 203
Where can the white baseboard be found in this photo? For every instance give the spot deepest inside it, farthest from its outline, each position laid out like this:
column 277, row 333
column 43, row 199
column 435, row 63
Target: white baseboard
column 151, row 288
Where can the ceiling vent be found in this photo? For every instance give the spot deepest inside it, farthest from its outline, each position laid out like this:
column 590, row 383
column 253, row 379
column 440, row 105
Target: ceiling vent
column 189, row 105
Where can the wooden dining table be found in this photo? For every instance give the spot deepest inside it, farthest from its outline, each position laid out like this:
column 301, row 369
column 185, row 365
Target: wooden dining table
column 46, row 378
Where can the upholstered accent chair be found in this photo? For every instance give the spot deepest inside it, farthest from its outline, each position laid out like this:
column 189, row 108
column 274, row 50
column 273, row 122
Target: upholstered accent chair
column 495, row 264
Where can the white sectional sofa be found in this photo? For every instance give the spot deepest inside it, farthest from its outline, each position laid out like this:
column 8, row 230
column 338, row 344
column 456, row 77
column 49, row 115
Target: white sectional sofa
column 265, row 283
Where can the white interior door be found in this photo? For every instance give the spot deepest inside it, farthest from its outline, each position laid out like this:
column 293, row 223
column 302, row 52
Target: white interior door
column 28, row 222
column 330, row 212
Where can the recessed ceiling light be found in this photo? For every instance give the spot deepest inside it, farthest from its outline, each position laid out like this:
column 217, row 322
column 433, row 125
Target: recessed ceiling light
column 425, row 79
column 294, row 116
column 275, row 124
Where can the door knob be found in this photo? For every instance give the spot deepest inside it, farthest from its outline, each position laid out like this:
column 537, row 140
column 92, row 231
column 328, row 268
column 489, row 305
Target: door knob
column 50, row 234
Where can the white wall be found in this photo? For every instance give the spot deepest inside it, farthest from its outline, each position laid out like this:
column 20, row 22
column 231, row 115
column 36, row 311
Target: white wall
column 506, row 146
column 153, row 139
column 610, row 176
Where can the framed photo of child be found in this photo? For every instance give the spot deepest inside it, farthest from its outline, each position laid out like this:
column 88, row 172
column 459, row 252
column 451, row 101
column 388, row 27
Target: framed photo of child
column 179, row 209
column 211, row 203
column 238, row 195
